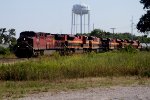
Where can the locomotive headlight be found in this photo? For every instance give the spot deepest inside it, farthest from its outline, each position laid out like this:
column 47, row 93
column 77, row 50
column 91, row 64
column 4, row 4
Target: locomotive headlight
column 18, row 46
column 24, row 38
column 27, row 46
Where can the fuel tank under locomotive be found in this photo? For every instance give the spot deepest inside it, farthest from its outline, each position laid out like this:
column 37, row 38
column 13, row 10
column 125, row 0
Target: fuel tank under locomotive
column 23, row 48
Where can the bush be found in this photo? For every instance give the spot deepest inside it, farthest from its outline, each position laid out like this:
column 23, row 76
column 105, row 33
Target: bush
column 129, row 49
column 4, row 51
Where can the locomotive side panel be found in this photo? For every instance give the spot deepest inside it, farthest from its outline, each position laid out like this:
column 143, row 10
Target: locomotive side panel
column 50, row 42
column 74, row 42
column 36, row 43
column 136, row 44
column 94, row 44
column 42, row 41
column 113, row 44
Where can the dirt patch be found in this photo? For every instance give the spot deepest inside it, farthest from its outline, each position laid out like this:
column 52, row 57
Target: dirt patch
column 103, row 93
column 11, row 60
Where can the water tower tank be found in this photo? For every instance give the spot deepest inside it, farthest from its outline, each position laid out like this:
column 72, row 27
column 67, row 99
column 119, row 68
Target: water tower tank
column 82, row 12
column 80, row 9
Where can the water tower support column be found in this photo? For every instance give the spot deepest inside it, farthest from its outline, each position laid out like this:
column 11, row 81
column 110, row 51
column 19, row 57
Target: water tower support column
column 84, row 24
column 77, row 24
column 81, row 24
column 89, row 22
column 72, row 24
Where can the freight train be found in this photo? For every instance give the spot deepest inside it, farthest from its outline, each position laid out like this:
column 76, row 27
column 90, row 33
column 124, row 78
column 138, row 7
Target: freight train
column 35, row 43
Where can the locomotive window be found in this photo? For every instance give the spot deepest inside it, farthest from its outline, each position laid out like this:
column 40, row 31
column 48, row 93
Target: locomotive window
column 90, row 38
column 70, row 37
column 47, row 34
column 80, row 37
column 41, row 34
column 58, row 37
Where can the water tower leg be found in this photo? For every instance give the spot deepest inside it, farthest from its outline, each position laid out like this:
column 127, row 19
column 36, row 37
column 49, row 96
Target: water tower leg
column 84, row 24
column 89, row 22
column 76, row 24
column 72, row 24
column 81, row 23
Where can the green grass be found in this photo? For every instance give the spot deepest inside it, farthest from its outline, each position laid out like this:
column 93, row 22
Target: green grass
column 11, row 55
column 79, row 66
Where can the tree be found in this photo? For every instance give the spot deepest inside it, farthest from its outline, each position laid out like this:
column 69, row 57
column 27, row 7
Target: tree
column 12, row 32
column 8, row 36
column 2, row 35
column 97, row 33
column 2, row 31
column 11, row 36
column 144, row 23
column 146, row 4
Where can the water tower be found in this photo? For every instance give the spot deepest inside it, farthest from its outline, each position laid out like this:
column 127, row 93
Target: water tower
column 81, row 12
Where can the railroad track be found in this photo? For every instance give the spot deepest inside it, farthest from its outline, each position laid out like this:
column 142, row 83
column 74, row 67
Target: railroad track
column 11, row 60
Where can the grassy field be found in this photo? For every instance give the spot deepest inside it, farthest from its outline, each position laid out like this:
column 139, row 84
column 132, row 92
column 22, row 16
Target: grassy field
column 54, row 72
column 79, row 66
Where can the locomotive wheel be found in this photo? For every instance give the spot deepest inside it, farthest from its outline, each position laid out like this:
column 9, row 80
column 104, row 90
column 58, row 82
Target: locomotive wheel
column 66, row 52
column 41, row 52
column 38, row 53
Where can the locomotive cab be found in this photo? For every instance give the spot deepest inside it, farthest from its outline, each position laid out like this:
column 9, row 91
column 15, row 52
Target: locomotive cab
column 24, row 46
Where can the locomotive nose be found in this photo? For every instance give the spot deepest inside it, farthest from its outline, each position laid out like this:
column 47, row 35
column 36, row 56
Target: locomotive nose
column 23, row 50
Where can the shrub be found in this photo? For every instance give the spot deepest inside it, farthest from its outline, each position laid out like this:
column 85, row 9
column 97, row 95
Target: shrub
column 4, row 51
column 129, row 49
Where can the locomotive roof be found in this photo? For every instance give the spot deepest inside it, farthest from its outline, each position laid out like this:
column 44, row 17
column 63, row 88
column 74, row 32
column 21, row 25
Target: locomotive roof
column 32, row 33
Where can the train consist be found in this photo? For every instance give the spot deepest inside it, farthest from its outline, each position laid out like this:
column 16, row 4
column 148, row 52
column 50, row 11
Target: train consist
column 35, row 43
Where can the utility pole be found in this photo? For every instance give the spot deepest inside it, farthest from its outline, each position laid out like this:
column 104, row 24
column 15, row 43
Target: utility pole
column 113, row 29
column 132, row 25
column 93, row 26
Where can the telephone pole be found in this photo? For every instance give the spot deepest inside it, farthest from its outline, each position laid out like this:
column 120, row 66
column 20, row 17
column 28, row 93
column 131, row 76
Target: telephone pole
column 132, row 26
column 113, row 30
column 93, row 26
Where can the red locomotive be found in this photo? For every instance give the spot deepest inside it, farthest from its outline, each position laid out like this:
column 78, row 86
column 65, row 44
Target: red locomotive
column 35, row 43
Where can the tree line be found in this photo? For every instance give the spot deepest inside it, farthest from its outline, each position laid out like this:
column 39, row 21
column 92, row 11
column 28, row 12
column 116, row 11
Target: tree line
column 126, row 35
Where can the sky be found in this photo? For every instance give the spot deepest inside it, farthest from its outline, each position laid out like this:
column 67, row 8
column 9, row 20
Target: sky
column 54, row 16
